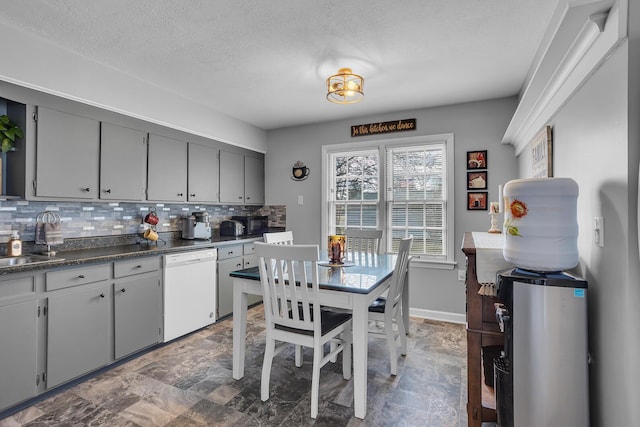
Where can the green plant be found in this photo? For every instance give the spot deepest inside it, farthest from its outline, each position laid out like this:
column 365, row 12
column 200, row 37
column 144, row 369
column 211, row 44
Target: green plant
column 9, row 131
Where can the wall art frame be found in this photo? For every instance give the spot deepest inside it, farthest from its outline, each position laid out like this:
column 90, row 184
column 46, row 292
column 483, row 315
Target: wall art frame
column 477, row 180
column 542, row 154
column 477, row 201
column 477, row 159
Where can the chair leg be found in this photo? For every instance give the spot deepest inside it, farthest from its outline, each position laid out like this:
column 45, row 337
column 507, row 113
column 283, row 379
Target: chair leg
column 332, row 347
column 403, row 335
column 269, row 351
column 346, row 354
column 298, row 356
column 391, row 343
column 315, row 379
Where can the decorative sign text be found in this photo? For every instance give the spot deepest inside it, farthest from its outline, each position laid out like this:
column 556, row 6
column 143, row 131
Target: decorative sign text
column 383, row 127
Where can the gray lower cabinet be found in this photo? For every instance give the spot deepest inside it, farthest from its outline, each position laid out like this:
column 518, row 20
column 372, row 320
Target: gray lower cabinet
column 232, row 258
column 137, row 301
column 18, row 352
column 67, row 155
column 78, row 332
column 123, row 163
column 167, row 169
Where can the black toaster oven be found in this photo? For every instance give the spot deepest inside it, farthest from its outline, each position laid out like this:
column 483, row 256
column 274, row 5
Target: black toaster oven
column 253, row 224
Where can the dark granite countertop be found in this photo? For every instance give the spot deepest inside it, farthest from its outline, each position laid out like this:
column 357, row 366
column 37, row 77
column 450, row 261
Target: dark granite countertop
column 103, row 250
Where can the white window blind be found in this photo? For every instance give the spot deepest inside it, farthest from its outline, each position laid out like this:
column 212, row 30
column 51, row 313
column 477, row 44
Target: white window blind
column 416, row 197
column 355, row 190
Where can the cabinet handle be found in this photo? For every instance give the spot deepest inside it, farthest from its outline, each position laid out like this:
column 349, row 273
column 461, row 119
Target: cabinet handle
column 108, row 191
column 86, row 189
column 81, row 276
column 138, row 266
column 123, row 290
column 239, row 197
column 192, row 195
column 239, row 264
column 248, row 198
column 180, row 194
column 101, row 295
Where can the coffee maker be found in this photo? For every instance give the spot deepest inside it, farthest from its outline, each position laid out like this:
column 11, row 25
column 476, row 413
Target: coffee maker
column 196, row 226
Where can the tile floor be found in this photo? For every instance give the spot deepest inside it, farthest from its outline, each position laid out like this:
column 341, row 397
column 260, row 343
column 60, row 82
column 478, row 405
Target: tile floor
column 188, row 382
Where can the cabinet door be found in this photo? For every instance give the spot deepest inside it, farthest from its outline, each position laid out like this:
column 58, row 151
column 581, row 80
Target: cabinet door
column 167, row 170
column 225, row 284
column 78, row 332
column 137, row 313
column 123, row 163
column 203, row 173
column 253, row 180
column 18, row 352
column 67, row 155
column 231, row 177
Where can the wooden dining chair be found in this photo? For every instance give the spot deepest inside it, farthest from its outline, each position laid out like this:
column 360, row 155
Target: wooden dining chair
column 389, row 309
column 289, row 277
column 363, row 241
column 280, row 237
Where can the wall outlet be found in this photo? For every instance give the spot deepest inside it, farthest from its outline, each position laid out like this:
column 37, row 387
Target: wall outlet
column 598, row 231
column 462, row 275
column 300, row 200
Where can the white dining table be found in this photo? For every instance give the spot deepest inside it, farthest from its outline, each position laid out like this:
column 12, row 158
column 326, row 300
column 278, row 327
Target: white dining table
column 353, row 287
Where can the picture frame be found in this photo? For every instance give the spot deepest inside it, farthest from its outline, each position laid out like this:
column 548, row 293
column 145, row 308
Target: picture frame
column 542, row 154
column 476, row 159
column 477, row 180
column 477, row 201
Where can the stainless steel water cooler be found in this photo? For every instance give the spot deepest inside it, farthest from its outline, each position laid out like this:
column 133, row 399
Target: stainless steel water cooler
column 542, row 377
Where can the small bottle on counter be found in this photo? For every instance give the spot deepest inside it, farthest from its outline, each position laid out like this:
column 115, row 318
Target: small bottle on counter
column 14, row 244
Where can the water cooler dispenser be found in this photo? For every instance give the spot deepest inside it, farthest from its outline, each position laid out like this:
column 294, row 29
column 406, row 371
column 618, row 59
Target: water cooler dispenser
column 542, row 377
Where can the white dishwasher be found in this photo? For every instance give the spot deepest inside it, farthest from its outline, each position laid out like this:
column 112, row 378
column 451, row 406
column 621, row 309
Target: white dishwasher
column 190, row 290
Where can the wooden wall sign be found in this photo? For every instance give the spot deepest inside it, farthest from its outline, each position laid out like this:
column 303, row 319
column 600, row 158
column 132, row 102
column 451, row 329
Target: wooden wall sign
column 383, row 127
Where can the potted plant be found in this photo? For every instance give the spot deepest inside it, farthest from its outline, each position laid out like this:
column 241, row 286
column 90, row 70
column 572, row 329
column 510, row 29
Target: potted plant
column 9, row 131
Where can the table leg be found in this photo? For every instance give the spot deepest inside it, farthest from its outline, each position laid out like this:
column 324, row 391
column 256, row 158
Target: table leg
column 360, row 348
column 239, row 329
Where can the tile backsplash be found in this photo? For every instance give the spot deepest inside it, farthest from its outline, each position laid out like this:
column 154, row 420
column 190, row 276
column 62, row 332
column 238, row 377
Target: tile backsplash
column 80, row 219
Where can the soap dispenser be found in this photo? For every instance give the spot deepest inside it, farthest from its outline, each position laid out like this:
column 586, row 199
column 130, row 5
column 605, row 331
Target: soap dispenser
column 15, row 244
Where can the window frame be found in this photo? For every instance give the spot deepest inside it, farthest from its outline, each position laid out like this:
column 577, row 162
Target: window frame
column 446, row 262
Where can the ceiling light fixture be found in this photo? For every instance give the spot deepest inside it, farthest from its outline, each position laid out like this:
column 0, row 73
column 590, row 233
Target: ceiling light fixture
column 345, row 87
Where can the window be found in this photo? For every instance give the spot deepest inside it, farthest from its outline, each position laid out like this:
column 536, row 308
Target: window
column 417, row 197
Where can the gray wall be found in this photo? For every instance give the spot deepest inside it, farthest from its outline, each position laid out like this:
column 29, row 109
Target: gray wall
column 592, row 145
column 476, row 126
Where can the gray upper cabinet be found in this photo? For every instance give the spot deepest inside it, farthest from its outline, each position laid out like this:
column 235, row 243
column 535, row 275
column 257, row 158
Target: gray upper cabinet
column 241, row 179
column 231, row 177
column 203, row 173
column 123, row 163
column 67, row 155
column 167, row 169
column 253, row 180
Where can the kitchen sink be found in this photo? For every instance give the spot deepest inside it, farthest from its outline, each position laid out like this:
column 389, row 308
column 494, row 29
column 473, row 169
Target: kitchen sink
column 11, row 261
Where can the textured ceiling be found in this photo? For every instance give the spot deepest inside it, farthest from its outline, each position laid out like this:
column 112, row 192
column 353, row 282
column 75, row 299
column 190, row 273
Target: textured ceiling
column 265, row 62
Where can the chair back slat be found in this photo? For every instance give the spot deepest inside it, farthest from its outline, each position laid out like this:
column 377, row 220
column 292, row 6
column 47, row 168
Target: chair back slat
column 364, row 241
column 289, row 276
column 280, row 237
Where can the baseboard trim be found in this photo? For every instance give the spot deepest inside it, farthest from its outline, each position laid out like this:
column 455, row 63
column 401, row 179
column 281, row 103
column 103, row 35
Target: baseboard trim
column 442, row 316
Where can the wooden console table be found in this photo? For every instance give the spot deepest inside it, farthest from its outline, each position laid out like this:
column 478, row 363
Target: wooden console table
column 482, row 331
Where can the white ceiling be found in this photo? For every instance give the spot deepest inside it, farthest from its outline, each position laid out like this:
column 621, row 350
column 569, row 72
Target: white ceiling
column 266, row 61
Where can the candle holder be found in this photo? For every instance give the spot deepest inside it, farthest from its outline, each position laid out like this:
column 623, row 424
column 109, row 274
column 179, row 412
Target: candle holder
column 494, row 211
column 335, row 248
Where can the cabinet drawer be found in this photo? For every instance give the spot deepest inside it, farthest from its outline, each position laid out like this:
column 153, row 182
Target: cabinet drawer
column 76, row 276
column 248, row 249
column 136, row 266
column 227, row 252
column 17, row 287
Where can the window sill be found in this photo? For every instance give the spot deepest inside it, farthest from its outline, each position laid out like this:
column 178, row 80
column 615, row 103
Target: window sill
column 417, row 262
